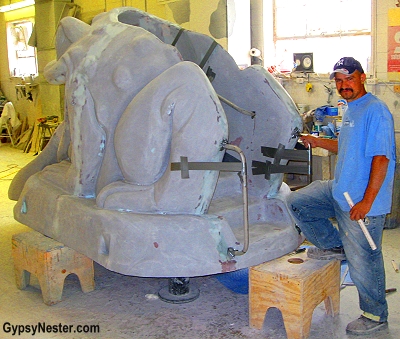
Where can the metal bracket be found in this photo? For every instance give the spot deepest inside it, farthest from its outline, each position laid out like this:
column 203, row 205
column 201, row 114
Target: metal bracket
column 278, row 154
column 184, row 166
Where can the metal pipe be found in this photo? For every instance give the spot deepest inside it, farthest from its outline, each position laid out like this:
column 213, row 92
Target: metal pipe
column 237, row 108
column 232, row 252
column 257, row 26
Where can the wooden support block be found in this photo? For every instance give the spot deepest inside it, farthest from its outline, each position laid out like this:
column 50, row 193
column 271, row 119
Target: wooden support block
column 295, row 289
column 51, row 262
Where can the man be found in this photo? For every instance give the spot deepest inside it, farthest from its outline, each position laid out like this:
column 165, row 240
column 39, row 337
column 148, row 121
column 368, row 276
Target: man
column 364, row 169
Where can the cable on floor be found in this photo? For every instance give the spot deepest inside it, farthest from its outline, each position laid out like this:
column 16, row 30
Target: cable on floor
column 10, row 167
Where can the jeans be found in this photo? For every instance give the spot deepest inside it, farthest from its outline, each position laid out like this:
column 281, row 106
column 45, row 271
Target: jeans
column 312, row 207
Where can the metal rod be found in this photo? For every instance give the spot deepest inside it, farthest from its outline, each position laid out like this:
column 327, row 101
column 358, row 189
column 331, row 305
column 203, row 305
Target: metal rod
column 208, row 166
column 231, row 251
column 310, row 163
column 237, row 108
column 184, row 166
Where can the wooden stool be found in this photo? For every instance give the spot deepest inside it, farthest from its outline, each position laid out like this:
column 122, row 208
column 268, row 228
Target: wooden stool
column 51, row 262
column 295, row 289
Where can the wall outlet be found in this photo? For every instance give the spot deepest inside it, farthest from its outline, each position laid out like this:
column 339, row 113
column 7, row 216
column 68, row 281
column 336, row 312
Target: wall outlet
column 373, row 81
column 300, row 80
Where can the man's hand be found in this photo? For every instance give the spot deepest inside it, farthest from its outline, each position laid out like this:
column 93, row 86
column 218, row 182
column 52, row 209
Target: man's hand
column 309, row 140
column 328, row 144
column 359, row 210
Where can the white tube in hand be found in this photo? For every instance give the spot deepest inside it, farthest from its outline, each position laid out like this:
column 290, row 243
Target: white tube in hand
column 361, row 223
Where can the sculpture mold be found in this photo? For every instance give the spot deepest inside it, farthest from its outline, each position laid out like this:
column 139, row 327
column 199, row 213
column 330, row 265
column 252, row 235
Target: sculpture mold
column 134, row 105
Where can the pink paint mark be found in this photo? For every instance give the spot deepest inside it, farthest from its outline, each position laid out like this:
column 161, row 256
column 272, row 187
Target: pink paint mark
column 237, row 141
column 155, row 244
column 228, row 266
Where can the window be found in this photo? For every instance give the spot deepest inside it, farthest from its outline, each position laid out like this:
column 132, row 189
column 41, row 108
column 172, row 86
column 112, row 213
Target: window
column 330, row 29
column 21, row 56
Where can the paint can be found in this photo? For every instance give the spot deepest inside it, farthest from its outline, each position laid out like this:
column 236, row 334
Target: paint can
column 338, row 125
column 342, row 106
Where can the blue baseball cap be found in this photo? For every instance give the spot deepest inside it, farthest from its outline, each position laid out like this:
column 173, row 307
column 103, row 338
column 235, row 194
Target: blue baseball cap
column 347, row 66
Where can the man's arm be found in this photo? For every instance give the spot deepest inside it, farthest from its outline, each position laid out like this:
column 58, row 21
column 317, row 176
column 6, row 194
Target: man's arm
column 328, row 144
column 379, row 168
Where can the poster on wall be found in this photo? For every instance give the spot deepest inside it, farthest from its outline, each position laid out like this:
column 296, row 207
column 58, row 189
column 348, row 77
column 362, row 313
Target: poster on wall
column 393, row 51
column 393, row 64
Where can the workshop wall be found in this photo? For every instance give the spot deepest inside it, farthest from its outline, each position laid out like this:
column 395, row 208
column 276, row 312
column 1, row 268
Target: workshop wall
column 205, row 17
column 7, row 83
column 384, row 88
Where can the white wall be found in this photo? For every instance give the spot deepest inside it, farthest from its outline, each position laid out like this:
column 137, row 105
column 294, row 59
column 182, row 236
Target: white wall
column 238, row 13
column 384, row 89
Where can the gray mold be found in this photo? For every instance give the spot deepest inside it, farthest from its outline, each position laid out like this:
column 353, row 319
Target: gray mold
column 134, row 105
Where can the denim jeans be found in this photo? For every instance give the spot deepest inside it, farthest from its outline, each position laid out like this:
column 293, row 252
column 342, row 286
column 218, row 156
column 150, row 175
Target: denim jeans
column 312, row 207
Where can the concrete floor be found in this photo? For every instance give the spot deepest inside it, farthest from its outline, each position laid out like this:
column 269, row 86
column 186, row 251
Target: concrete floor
column 123, row 307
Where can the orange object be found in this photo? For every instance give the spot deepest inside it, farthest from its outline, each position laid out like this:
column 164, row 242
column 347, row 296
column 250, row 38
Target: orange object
column 51, row 262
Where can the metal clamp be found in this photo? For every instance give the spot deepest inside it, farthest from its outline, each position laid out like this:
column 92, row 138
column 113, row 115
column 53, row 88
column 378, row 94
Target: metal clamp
column 267, row 168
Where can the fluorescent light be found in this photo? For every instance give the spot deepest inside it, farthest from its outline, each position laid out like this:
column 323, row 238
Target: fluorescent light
column 16, row 5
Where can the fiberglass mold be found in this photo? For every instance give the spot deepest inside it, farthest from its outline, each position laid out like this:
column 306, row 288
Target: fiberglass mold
column 141, row 95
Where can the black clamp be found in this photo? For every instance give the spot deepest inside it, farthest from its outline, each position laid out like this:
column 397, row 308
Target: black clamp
column 267, row 168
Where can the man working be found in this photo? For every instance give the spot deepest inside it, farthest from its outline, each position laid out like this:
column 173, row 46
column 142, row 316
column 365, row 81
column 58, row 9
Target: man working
column 365, row 169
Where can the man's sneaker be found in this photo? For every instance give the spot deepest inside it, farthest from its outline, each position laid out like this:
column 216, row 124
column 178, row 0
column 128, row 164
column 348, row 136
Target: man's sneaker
column 320, row 254
column 363, row 325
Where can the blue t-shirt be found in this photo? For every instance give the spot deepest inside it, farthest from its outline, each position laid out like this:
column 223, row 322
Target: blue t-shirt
column 367, row 130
